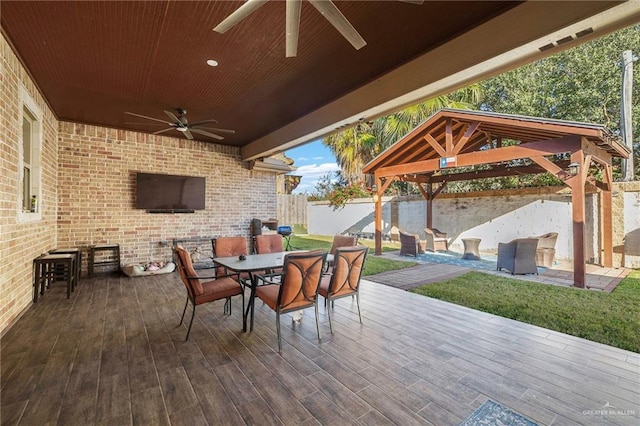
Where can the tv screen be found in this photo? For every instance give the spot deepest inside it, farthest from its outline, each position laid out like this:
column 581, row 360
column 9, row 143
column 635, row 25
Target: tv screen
column 172, row 193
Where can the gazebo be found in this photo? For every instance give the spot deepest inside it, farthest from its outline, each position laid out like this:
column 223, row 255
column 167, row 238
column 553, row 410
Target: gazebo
column 433, row 153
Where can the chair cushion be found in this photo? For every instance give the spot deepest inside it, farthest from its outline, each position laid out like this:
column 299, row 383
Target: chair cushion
column 269, row 243
column 269, row 294
column 323, row 290
column 230, row 246
column 220, row 288
column 184, row 258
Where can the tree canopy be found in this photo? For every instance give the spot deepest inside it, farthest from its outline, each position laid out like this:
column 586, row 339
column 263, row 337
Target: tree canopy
column 580, row 84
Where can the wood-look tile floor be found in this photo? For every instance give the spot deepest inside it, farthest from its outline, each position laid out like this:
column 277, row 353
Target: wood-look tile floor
column 113, row 355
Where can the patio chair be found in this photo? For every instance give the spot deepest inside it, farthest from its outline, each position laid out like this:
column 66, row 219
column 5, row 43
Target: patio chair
column 436, row 240
column 410, row 244
column 518, row 256
column 269, row 243
column 296, row 288
column 546, row 250
column 345, row 279
column 200, row 291
column 230, row 247
column 340, row 241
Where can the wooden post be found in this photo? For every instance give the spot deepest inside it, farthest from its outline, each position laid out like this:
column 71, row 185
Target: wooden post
column 377, row 198
column 429, row 206
column 578, row 215
column 607, row 218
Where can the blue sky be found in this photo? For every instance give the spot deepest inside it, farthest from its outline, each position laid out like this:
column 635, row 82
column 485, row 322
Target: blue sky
column 313, row 161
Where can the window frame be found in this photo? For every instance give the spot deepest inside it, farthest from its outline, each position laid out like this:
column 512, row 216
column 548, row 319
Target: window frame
column 29, row 110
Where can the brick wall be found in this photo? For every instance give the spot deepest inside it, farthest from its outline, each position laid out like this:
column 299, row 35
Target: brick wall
column 97, row 171
column 20, row 242
column 88, row 186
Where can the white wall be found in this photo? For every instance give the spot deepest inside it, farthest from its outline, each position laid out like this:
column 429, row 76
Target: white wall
column 494, row 219
column 632, row 229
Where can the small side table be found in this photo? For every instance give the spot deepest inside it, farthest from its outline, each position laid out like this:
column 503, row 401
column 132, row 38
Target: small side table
column 44, row 272
column 471, row 248
column 78, row 263
column 111, row 259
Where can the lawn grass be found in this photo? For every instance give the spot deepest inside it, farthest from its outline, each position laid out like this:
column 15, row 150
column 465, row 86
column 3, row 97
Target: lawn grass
column 609, row 318
column 373, row 265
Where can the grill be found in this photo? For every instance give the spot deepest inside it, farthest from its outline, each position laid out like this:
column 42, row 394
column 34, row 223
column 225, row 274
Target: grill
column 284, row 230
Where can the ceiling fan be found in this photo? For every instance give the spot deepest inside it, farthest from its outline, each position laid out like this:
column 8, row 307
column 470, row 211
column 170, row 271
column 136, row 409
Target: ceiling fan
column 325, row 7
column 179, row 122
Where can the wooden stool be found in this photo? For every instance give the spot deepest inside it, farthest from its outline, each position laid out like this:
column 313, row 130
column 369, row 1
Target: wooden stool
column 78, row 263
column 45, row 272
column 112, row 259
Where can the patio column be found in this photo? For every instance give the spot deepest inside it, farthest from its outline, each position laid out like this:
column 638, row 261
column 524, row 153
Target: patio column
column 607, row 218
column 578, row 215
column 377, row 200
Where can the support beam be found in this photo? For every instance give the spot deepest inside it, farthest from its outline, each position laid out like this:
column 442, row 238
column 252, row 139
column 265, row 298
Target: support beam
column 607, row 219
column 471, row 129
column 507, row 153
column 380, row 188
column 578, row 216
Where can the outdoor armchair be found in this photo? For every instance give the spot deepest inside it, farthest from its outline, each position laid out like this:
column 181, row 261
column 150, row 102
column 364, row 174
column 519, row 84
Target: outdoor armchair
column 410, row 244
column 546, row 250
column 436, row 240
column 345, row 279
column 518, row 256
column 230, row 247
column 296, row 288
column 340, row 241
column 202, row 289
column 269, row 243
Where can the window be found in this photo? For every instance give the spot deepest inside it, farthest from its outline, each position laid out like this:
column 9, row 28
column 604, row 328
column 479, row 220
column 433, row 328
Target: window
column 29, row 159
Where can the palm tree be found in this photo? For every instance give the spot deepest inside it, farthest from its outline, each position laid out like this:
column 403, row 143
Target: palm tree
column 356, row 146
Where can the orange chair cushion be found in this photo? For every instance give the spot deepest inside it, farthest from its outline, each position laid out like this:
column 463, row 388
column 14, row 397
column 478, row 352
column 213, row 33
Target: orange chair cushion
column 220, row 288
column 187, row 271
column 269, row 243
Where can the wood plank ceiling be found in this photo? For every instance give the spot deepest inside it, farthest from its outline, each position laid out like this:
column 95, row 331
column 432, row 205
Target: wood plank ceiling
column 94, row 60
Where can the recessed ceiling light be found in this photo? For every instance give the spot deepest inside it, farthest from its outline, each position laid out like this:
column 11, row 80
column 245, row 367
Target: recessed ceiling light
column 212, row 63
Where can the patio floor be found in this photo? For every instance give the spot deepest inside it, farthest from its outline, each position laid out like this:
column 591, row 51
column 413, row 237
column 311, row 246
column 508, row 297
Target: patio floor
column 113, row 354
column 438, row 266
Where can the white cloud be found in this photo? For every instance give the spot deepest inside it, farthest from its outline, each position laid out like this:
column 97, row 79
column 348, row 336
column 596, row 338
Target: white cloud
column 311, row 174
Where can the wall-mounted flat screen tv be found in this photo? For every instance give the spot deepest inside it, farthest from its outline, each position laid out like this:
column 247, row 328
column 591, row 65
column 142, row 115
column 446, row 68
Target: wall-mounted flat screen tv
column 159, row 193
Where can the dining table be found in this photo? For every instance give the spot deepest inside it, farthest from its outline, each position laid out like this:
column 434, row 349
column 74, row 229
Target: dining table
column 254, row 265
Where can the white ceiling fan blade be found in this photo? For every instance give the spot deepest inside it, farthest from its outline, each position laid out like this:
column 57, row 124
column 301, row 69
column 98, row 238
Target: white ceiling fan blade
column 205, row 133
column 173, row 117
column 203, row 122
column 242, row 12
column 148, row 118
column 187, row 133
column 293, row 27
column 216, row 130
column 163, row 130
column 337, row 19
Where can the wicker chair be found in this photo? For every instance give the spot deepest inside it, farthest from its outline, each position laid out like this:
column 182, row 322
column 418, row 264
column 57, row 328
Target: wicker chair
column 436, row 240
column 410, row 244
column 546, row 250
column 518, row 256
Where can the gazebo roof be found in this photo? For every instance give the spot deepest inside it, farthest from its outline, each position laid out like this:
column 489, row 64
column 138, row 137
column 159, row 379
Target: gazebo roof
column 477, row 129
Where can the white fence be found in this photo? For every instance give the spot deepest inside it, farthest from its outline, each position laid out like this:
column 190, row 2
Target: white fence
column 495, row 216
